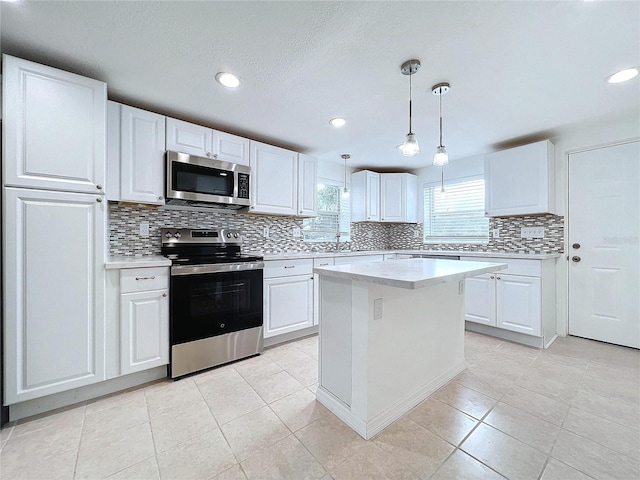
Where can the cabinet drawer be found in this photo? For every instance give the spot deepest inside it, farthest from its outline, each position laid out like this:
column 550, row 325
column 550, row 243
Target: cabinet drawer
column 286, row 268
column 516, row 266
column 324, row 262
column 143, row 279
column 359, row 259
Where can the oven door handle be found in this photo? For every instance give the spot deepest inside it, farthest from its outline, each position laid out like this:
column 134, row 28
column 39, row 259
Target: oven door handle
column 215, row 268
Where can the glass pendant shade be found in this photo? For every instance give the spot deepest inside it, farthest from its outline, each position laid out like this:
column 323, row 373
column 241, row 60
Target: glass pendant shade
column 441, row 157
column 410, row 147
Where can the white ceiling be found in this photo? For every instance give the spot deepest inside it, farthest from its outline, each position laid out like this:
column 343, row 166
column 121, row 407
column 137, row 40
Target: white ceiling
column 518, row 71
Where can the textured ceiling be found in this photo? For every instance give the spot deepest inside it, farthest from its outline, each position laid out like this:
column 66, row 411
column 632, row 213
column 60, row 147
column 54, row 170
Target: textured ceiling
column 518, row 70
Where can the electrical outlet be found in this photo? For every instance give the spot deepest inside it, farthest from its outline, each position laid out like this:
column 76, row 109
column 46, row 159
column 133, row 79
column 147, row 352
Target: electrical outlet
column 496, row 233
column 296, row 232
column 416, row 234
column 532, row 232
column 461, row 287
column 377, row 309
column 144, row 229
column 265, row 232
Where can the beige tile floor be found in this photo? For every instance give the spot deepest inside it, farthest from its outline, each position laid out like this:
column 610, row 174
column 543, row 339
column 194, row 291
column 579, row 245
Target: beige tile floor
column 570, row 412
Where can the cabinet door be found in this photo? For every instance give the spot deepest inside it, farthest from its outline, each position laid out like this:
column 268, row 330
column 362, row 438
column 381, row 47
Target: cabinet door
column 274, row 175
column 480, row 299
column 307, row 185
column 519, row 181
column 518, row 301
column 54, row 283
column 144, row 330
column 55, row 125
column 288, row 304
column 189, row 138
column 372, row 198
column 230, row 148
column 392, row 193
column 142, row 152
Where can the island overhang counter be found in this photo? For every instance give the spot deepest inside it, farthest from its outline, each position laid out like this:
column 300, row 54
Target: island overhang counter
column 390, row 334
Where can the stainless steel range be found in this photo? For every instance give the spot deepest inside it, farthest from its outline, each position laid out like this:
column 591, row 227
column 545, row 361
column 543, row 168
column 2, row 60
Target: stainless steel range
column 215, row 299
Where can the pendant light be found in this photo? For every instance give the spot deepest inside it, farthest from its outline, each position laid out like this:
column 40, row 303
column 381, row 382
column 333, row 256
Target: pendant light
column 441, row 156
column 410, row 147
column 345, row 190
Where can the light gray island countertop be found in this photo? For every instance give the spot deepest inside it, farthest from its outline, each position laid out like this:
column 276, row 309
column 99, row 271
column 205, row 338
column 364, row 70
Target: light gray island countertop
column 410, row 273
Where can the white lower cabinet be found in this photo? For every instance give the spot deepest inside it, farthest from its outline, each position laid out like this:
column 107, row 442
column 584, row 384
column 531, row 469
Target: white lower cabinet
column 54, row 278
column 520, row 299
column 287, row 296
column 144, row 319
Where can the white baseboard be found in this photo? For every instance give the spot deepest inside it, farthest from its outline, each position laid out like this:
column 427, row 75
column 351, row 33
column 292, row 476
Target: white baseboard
column 528, row 340
column 79, row 395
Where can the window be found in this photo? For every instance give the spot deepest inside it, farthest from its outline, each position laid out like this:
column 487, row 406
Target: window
column 458, row 215
column 333, row 216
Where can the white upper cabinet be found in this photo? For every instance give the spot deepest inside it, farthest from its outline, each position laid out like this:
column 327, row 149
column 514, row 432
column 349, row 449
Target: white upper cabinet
column 365, row 196
column 204, row 142
column 142, row 155
column 399, row 197
column 283, row 182
column 54, row 128
column 307, row 185
column 520, row 180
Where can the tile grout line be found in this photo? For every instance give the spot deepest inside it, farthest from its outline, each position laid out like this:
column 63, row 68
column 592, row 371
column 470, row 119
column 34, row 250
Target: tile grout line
column 75, row 466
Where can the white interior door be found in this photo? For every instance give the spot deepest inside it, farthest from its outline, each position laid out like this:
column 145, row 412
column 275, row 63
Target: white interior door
column 604, row 259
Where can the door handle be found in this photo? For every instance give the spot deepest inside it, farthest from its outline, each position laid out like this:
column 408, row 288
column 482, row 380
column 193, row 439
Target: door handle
column 576, row 246
column 575, row 258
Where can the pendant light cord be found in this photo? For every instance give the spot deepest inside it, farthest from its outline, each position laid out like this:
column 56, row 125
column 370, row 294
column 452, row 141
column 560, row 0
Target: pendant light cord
column 440, row 116
column 410, row 75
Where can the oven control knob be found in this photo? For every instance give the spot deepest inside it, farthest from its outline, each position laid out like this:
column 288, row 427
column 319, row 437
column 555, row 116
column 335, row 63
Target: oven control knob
column 229, row 235
column 236, row 235
column 222, row 325
column 177, row 235
column 168, row 235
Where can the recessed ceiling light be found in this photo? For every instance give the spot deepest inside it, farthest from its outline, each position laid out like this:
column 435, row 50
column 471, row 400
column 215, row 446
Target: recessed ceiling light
column 228, row 79
column 623, row 75
column 338, row 122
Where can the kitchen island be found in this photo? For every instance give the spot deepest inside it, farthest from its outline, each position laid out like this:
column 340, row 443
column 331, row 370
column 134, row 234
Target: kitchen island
column 391, row 334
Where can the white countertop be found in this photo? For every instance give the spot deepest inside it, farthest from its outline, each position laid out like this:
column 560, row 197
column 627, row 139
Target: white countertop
column 293, row 255
column 410, row 273
column 113, row 263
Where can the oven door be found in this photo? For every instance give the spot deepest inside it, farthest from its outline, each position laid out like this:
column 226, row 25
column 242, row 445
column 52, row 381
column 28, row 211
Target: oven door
column 209, row 304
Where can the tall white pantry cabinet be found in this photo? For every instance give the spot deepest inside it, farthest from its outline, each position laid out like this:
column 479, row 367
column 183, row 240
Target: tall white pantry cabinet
column 54, row 216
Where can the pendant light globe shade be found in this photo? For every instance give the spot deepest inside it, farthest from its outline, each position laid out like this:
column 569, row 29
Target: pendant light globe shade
column 410, row 147
column 441, row 157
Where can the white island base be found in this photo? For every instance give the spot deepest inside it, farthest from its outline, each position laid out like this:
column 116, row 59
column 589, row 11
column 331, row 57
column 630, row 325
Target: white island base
column 375, row 368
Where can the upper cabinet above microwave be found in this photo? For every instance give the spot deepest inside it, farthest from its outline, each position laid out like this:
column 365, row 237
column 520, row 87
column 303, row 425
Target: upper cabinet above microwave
column 197, row 140
column 520, row 180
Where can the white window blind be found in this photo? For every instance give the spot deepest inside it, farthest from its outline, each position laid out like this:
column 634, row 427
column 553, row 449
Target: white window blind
column 333, row 216
column 458, row 215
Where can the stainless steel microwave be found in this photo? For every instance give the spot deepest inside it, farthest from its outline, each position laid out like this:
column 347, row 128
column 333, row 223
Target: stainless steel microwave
column 202, row 181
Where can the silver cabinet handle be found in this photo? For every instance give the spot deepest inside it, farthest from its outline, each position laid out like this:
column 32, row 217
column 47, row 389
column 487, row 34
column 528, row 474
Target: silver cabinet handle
column 498, row 278
column 160, row 198
column 99, row 200
column 575, row 258
column 146, row 278
column 292, row 266
column 209, row 154
column 576, row 246
column 99, row 187
column 164, row 294
column 492, row 277
column 323, row 264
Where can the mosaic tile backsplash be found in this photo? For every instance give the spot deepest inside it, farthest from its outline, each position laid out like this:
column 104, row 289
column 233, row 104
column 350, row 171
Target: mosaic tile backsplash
column 124, row 237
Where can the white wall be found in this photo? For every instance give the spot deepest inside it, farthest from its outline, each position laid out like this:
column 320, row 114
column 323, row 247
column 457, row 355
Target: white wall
column 333, row 171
